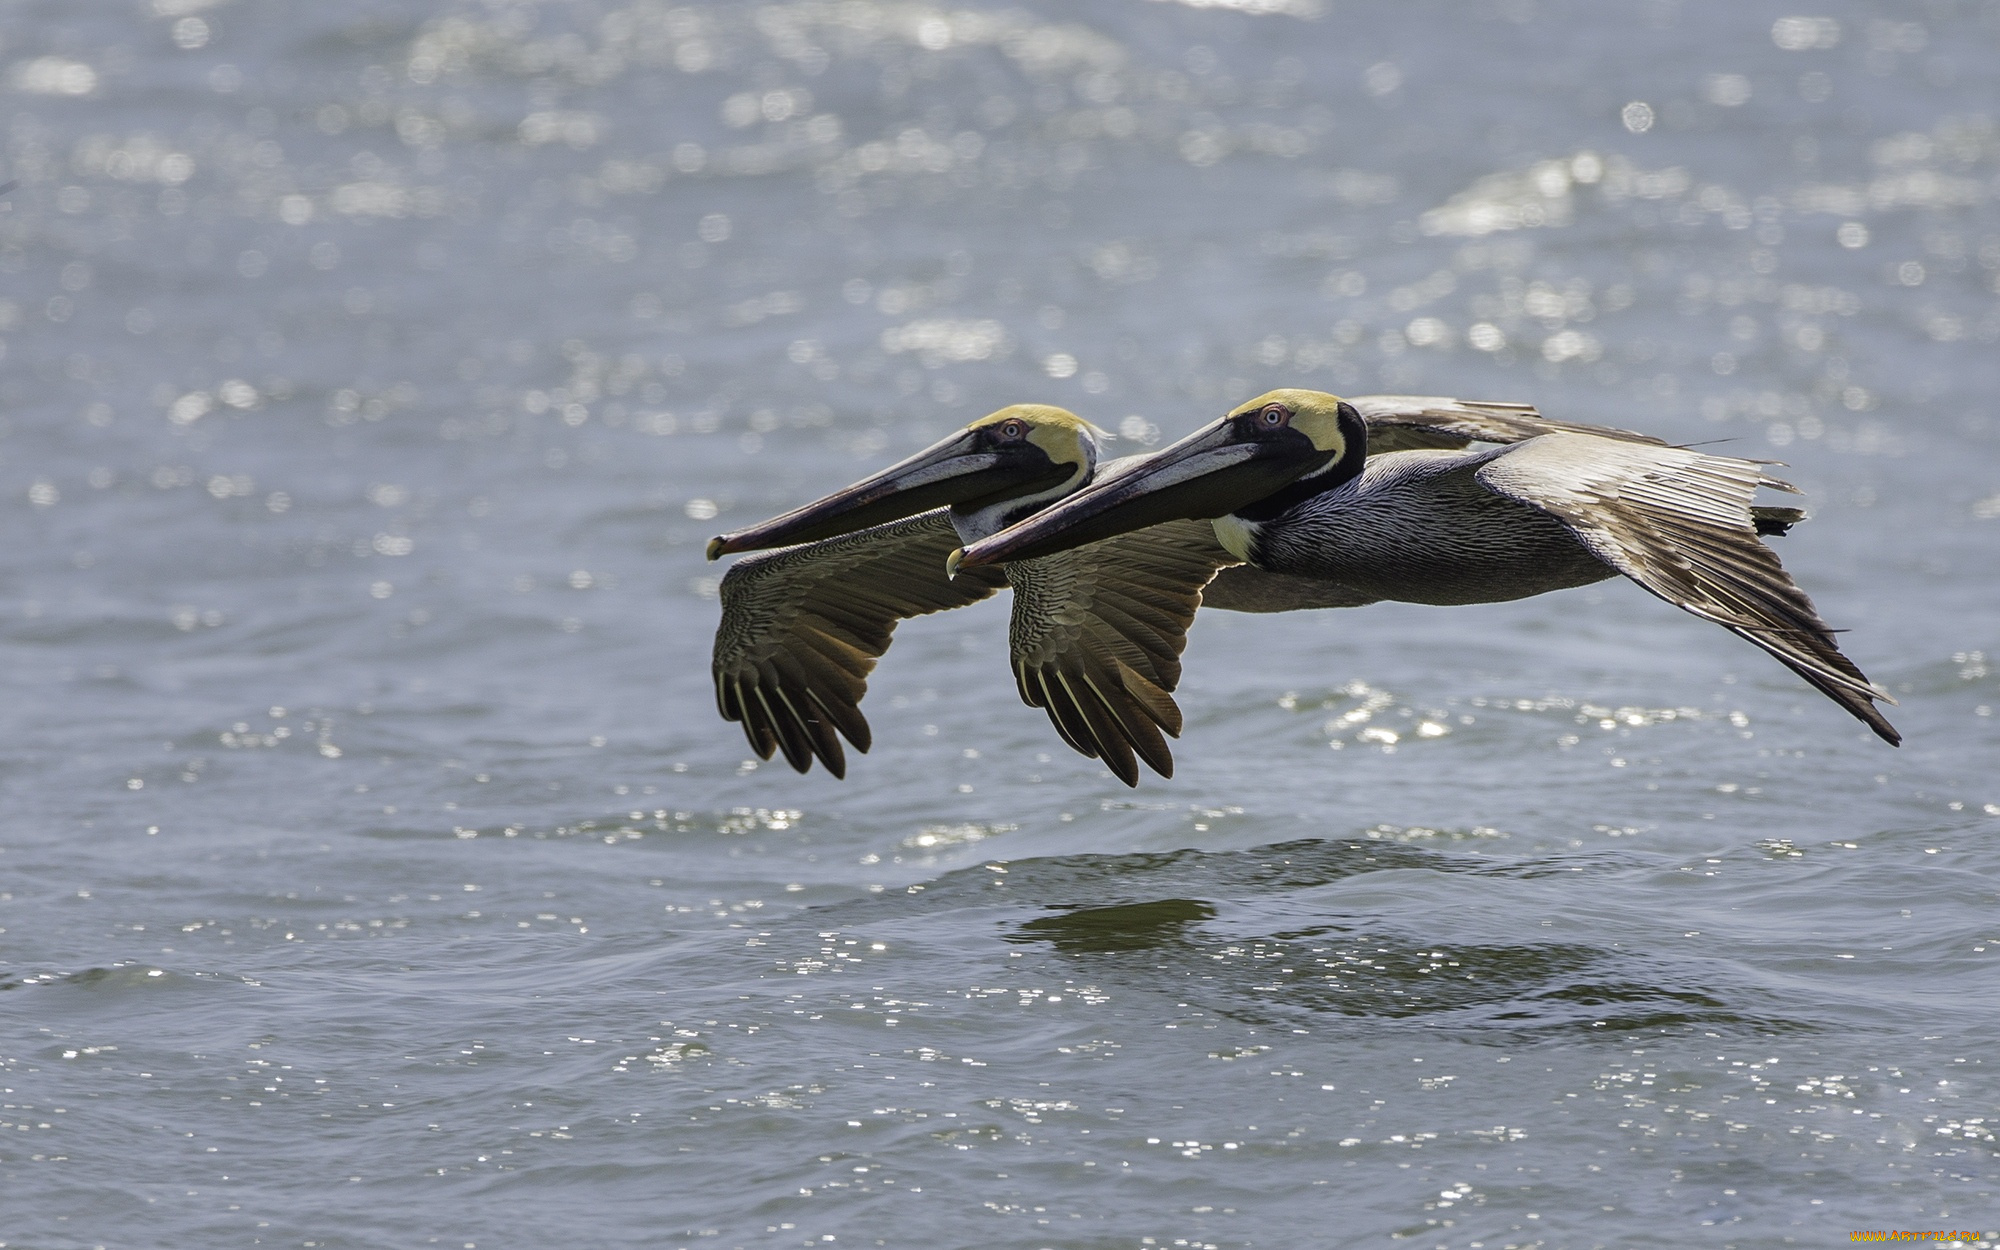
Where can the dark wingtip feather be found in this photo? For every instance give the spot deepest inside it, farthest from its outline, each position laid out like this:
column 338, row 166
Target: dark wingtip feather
column 1112, row 746
column 1130, row 721
column 1124, row 766
column 1062, row 713
column 836, row 763
column 1824, row 668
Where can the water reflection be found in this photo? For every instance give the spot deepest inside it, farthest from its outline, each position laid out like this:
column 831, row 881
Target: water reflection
column 1222, row 946
column 1122, row 927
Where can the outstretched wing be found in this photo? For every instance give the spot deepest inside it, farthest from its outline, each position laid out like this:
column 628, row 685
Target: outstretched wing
column 1679, row 523
column 1407, row 422
column 803, row 626
column 1097, row 636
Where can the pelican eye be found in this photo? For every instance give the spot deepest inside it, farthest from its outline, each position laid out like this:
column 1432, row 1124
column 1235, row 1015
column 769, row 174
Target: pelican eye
column 1274, row 415
column 1013, row 429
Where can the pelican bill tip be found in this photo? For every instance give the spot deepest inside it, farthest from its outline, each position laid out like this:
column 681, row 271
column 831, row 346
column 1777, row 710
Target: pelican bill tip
column 952, row 561
column 718, row 546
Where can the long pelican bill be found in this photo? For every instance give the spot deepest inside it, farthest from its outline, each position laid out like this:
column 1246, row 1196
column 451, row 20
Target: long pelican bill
column 963, row 468
column 1210, row 473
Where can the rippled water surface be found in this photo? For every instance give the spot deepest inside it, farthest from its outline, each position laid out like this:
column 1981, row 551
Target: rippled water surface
column 376, row 872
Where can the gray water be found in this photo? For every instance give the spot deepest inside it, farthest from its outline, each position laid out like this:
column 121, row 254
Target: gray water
column 375, row 870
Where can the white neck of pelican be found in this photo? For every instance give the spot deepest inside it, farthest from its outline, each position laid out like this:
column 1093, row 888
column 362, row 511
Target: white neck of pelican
column 1238, row 536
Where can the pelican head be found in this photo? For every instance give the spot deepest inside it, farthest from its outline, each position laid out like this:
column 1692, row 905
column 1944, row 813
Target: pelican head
column 1268, row 454
column 990, row 474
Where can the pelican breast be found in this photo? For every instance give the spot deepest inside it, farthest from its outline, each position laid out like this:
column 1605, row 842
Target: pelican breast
column 1420, row 527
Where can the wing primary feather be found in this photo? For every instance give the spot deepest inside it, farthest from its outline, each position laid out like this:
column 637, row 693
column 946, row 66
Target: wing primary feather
column 1111, row 745
column 1858, row 703
column 1097, row 635
column 847, row 718
column 1135, row 729
column 1681, row 524
column 762, row 740
column 798, row 753
column 1158, row 705
column 819, row 735
column 1067, row 719
column 802, row 628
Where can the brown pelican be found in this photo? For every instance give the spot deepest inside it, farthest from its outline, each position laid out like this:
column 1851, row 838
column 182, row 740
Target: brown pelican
column 1097, row 631
column 1292, row 489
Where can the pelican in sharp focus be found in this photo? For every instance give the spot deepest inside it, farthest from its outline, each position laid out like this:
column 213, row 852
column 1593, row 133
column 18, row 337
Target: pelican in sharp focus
column 1097, row 631
column 1292, row 489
